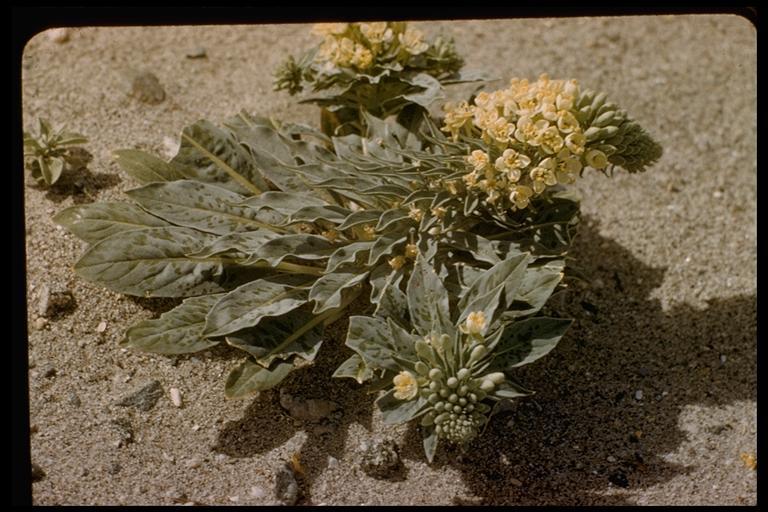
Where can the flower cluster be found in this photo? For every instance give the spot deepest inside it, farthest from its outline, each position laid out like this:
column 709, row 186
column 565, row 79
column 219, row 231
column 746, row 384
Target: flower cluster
column 453, row 381
column 359, row 45
column 529, row 138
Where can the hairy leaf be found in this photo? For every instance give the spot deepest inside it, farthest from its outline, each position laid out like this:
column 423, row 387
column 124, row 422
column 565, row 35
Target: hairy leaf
column 394, row 411
column 355, row 368
column 428, row 300
column 96, row 221
column 326, row 292
column 250, row 377
column 369, row 337
column 526, row 341
column 152, row 263
column 146, row 168
column 308, row 247
column 178, row 331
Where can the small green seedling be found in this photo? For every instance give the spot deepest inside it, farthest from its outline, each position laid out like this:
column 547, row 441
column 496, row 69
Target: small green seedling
column 49, row 151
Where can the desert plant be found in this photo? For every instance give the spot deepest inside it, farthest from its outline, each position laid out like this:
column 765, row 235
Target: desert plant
column 380, row 68
column 458, row 227
column 49, row 151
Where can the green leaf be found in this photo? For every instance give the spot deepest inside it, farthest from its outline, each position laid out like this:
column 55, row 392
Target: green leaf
column 526, row 341
column 394, row 411
column 96, row 221
column 535, row 289
column 393, row 303
column 250, row 377
column 428, row 300
column 197, row 205
column 266, row 341
column 384, row 246
column 285, row 203
column 246, row 305
column 360, row 217
column 212, row 155
column 330, row 213
column 178, row 331
column 510, row 270
column 508, row 389
column 369, row 337
column 430, row 443
column 432, row 90
column 354, row 368
column 146, row 168
column 347, row 254
column 308, row 247
column 326, row 292
column 383, row 277
column 51, row 169
column 389, row 217
column 236, row 245
column 152, row 263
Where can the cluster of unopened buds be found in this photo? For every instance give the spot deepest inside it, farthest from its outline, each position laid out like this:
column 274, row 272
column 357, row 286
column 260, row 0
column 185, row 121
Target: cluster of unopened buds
column 454, row 388
column 358, row 45
column 531, row 140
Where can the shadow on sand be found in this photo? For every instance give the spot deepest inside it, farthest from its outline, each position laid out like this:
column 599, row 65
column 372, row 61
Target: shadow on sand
column 586, row 429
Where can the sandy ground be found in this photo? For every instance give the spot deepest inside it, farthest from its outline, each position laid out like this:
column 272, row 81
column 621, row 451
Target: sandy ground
column 653, row 387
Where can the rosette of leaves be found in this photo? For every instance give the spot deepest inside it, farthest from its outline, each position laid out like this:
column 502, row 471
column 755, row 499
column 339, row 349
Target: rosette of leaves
column 448, row 362
column 382, row 68
column 269, row 232
column 49, row 151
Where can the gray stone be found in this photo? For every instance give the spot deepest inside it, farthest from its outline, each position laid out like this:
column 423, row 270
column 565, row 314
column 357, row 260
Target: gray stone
column 144, row 398
column 146, row 88
column 74, row 400
column 197, row 53
column 379, row 458
column 286, row 486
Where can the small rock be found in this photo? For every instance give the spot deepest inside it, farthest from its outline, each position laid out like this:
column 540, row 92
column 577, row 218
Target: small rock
column 194, row 463
column 723, row 358
column 257, row 492
column 234, row 499
column 74, row 400
column 197, row 53
column 639, row 394
column 286, row 487
column 146, row 88
column 170, row 147
column 504, row 459
column 175, row 397
column 611, row 458
column 717, row 194
column 515, row 482
column 169, row 458
column 333, row 462
column 114, row 468
column 380, row 458
column 195, row 428
column 37, row 473
column 619, row 478
column 55, row 302
column 49, row 372
column 40, row 323
column 101, row 327
column 125, row 430
column 145, row 398
column 59, row 35
column 311, row 410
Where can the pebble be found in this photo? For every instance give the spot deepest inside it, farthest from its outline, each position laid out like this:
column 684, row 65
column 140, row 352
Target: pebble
column 59, row 35
column 197, row 53
column 49, row 372
column 194, row 462
column 723, row 358
column 170, row 147
column 311, row 410
column 379, row 458
column 611, row 458
column 40, row 323
column 101, row 327
column 37, row 473
column 195, row 428
column 639, row 394
column 176, row 397
column 286, row 487
column 515, row 482
column 74, row 400
column 169, row 458
column 144, row 398
column 234, row 499
column 333, row 462
column 114, row 468
column 258, row 492
column 146, row 88
column 53, row 302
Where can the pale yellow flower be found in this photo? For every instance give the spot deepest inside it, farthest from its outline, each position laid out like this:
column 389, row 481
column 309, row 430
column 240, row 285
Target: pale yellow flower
column 521, row 196
column 362, row 57
column 456, row 118
column 470, row 179
column 439, row 212
column 499, row 131
column 568, row 166
column 566, row 122
column 511, row 159
column 484, row 118
column 596, row 159
column 415, row 213
column 528, row 131
column 377, row 33
column 406, row 386
column 550, row 140
column 412, row 41
column 331, row 234
column 543, row 175
column 478, row 159
column 575, row 142
column 452, row 187
column 474, row 324
column 369, row 233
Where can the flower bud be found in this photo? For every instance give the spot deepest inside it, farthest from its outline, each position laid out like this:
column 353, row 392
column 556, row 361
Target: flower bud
column 452, row 382
column 463, row 373
column 478, row 353
column 422, row 368
column 435, row 373
column 488, row 386
column 423, row 350
column 497, row 377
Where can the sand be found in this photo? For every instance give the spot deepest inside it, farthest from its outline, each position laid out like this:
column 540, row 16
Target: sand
column 649, row 399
